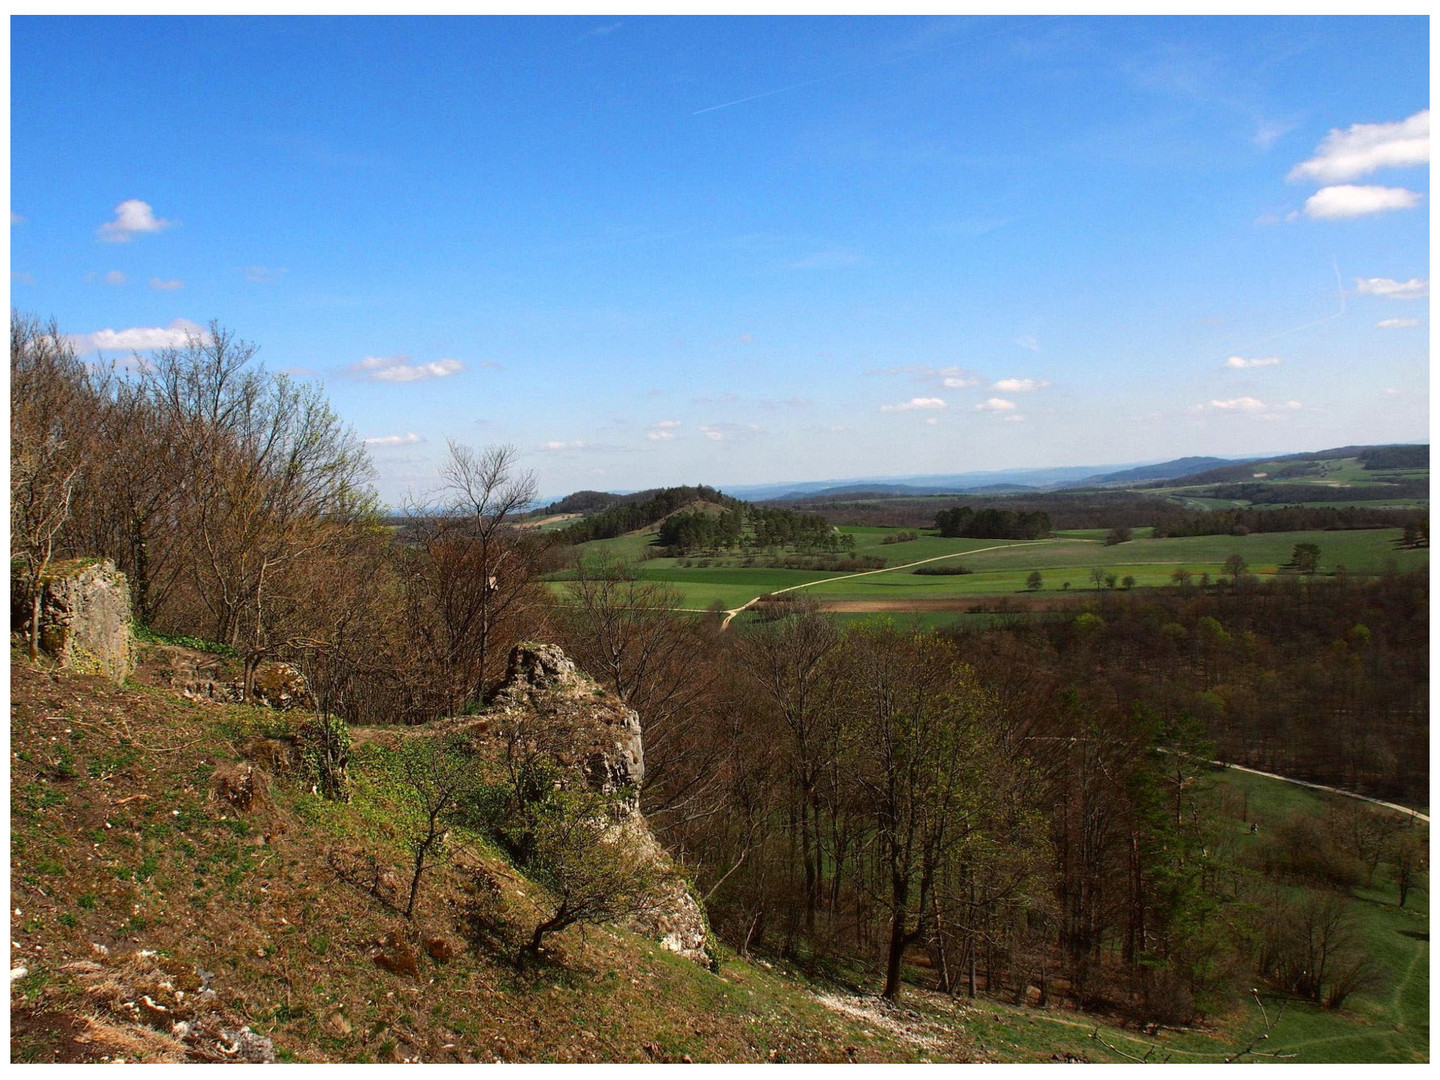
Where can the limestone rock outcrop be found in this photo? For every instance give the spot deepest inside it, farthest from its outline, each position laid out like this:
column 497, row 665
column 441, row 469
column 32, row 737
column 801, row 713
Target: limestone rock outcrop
column 85, row 618
column 599, row 740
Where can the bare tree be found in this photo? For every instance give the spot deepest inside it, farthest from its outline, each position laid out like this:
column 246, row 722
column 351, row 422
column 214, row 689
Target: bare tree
column 789, row 661
column 627, row 633
column 48, row 392
column 475, row 571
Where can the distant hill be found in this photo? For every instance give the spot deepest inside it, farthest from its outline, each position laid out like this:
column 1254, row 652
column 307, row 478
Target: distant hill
column 1166, row 470
column 1308, row 465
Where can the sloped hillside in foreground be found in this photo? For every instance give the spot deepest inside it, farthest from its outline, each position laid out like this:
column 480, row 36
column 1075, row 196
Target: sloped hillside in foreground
column 156, row 920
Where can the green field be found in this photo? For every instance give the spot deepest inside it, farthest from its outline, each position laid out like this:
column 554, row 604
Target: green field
column 1001, row 567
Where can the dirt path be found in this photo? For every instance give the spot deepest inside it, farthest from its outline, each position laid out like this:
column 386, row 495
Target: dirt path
column 1332, row 790
column 729, row 615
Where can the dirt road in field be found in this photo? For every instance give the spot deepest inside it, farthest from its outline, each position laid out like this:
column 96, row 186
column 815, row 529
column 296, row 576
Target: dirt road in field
column 910, row 606
column 1332, row 790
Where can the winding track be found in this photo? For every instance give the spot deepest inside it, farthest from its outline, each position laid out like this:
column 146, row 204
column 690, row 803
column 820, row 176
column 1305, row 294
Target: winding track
column 729, row 615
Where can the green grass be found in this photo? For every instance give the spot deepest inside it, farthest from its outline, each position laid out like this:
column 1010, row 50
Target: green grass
column 1000, row 567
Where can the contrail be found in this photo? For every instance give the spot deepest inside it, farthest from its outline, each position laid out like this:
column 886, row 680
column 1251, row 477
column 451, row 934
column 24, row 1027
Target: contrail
column 1339, row 285
column 871, row 67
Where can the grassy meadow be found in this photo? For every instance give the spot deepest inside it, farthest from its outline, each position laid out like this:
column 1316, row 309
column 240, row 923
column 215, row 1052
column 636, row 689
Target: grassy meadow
column 999, row 568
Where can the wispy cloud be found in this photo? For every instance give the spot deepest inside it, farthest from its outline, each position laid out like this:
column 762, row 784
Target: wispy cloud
column 728, row 432
column 662, row 430
column 1268, row 131
column 138, row 338
column 16, row 219
column 1396, row 324
column 915, row 403
column 114, row 277
column 1028, row 341
column 995, row 404
column 132, row 217
column 604, row 30
column 827, row 260
column 952, row 376
column 1019, row 386
column 719, row 399
column 1414, row 289
column 1242, row 362
column 398, row 368
column 408, row 439
column 1362, row 149
column 166, row 286
column 1355, row 200
column 265, row 274
column 555, row 445
column 22, row 277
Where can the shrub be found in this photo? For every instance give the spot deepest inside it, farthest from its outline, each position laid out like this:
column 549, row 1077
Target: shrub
column 325, row 754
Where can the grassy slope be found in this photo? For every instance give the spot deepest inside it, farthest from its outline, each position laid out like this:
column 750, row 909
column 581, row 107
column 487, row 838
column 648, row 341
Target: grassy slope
column 116, row 841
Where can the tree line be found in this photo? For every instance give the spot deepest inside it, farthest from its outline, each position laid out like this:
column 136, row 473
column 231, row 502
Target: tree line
column 991, row 523
column 631, row 514
column 746, row 527
column 1239, row 522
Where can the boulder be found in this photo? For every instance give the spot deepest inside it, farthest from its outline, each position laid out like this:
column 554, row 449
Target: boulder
column 85, row 618
column 278, row 685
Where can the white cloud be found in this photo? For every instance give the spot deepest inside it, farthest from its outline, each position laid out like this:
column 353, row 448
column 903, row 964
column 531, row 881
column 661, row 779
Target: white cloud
column 166, row 286
column 399, row 369
column 727, row 432
column 1363, row 148
column 660, row 436
column 1414, row 289
column 114, row 277
column 1020, row 386
column 662, row 430
column 915, row 403
column 666, row 423
column 264, row 273
column 1252, row 407
column 131, row 216
column 1392, row 391
column 1014, row 418
column 408, row 439
column 1028, row 341
column 1353, row 200
column 556, row 444
column 138, row 338
column 995, row 404
column 1396, row 324
column 1240, row 362
column 932, row 421
column 827, row 260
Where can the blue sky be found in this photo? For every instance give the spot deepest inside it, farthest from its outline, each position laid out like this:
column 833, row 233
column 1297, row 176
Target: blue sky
column 651, row 250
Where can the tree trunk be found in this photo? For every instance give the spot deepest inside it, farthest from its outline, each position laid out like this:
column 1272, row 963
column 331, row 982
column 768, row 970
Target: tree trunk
column 35, row 627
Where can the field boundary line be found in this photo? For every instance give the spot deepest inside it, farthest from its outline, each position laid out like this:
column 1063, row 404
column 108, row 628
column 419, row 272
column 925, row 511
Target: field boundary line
column 729, row 615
